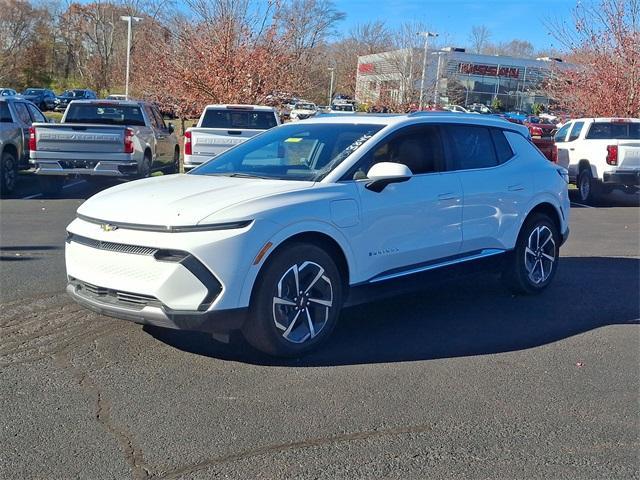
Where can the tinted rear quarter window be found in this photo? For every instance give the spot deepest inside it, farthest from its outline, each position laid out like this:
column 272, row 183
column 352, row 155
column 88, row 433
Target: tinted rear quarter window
column 503, row 149
column 238, row 119
column 614, row 131
column 5, row 114
column 471, row 147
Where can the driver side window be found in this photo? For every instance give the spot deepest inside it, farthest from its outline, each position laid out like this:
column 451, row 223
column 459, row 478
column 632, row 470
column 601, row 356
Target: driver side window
column 417, row 147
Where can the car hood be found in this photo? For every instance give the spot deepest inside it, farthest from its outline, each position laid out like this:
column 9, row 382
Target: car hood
column 182, row 200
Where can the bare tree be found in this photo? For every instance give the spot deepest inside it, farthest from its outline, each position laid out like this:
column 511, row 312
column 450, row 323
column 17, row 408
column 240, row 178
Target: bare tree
column 479, row 38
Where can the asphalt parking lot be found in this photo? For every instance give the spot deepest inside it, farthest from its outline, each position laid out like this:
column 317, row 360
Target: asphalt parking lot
column 461, row 380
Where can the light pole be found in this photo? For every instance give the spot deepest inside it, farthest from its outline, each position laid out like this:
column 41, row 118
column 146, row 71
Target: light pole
column 128, row 19
column 332, row 70
column 436, row 90
column 424, row 62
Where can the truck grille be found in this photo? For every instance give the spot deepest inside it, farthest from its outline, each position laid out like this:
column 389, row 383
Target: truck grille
column 111, row 246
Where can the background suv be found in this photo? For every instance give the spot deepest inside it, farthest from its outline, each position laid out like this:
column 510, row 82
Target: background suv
column 274, row 236
column 63, row 100
column 42, row 97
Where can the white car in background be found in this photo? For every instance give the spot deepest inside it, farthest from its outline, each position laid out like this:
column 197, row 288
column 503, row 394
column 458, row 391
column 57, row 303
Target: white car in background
column 222, row 127
column 303, row 110
column 600, row 154
column 457, row 109
column 276, row 235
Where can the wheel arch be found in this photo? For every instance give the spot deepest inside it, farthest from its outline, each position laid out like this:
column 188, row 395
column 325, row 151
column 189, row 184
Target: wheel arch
column 337, row 249
column 585, row 164
column 11, row 148
column 550, row 211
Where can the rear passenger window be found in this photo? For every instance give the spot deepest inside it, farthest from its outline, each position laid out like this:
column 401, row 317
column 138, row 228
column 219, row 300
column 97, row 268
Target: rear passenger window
column 503, row 149
column 5, row 114
column 35, row 114
column 614, row 131
column 471, row 147
column 575, row 131
column 23, row 113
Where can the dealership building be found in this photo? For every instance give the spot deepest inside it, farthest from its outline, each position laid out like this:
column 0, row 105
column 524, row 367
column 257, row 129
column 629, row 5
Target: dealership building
column 453, row 76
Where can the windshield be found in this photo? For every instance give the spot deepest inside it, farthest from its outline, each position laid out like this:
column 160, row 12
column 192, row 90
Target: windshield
column 104, row 114
column 291, row 152
column 305, row 106
column 343, row 108
column 241, row 119
column 33, row 91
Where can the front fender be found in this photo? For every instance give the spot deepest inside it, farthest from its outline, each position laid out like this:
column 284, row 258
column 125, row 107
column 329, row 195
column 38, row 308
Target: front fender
column 287, row 232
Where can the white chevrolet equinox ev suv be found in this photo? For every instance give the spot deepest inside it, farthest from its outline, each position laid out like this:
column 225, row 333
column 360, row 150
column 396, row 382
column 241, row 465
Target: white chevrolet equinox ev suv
column 274, row 236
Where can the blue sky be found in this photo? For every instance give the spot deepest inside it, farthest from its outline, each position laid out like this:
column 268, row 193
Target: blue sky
column 506, row 19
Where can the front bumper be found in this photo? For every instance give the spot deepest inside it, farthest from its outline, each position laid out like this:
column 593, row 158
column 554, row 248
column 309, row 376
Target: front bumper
column 629, row 179
column 97, row 168
column 216, row 321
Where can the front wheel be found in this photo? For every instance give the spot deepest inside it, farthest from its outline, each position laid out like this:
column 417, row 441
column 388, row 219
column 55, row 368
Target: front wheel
column 296, row 302
column 531, row 266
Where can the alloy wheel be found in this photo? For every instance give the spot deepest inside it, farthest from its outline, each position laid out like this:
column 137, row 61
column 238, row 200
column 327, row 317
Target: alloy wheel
column 9, row 172
column 303, row 301
column 540, row 254
column 585, row 187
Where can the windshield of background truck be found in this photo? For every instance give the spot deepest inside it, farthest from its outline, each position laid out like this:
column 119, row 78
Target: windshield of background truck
column 614, row 131
column 105, row 114
column 239, row 119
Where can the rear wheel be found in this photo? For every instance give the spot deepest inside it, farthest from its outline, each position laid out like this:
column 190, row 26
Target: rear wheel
column 144, row 168
column 296, row 302
column 531, row 266
column 8, row 173
column 51, row 186
column 175, row 165
column 588, row 187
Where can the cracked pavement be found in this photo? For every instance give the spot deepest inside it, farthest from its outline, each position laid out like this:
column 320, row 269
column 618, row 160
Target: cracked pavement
column 460, row 380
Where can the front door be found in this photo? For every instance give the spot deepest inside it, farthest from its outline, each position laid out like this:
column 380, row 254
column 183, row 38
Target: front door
column 411, row 223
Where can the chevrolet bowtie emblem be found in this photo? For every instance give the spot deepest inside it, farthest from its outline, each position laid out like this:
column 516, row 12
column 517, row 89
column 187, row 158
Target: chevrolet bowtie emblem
column 107, row 227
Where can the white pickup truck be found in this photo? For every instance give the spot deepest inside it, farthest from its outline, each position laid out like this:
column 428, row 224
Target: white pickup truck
column 601, row 154
column 222, row 127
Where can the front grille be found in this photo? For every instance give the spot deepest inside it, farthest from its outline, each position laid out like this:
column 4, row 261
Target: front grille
column 114, row 297
column 111, row 246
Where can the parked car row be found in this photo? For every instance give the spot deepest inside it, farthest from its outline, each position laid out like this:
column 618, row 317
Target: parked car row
column 46, row 99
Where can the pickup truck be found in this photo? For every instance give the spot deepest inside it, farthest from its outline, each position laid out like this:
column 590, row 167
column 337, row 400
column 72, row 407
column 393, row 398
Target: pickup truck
column 16, row 116
column 601, row 154
column 222, row 127
column 542, row 131
column 98, row 139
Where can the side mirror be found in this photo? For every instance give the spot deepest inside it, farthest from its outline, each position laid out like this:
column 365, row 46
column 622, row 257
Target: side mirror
column 385, row 173
column 171, row 128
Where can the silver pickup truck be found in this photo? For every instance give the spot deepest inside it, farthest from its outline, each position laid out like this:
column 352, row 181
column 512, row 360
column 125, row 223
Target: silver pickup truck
column 98, row 139
column 16, row 116
column 222, row 127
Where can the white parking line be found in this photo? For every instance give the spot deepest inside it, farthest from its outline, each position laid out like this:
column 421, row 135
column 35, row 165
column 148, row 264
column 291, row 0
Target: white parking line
column 581, row 205
column 35, row 195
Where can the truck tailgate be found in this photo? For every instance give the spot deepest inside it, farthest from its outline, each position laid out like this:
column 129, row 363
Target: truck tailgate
column 79, row 138
column 629, row 155
column 214, row 141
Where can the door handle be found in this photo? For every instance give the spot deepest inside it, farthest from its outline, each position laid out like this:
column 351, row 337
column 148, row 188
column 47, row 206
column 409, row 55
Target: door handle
column 447, row 196
column 515, row 188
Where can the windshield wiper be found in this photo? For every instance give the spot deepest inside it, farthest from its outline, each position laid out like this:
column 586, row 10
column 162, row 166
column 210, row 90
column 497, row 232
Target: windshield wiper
column 246, row 175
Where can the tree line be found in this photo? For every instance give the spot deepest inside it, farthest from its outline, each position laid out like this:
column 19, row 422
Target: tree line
column 189, row 53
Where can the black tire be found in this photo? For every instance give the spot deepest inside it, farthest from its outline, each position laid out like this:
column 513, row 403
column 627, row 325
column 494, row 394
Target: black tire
column 276, row 281
column 522, row 268
column 51, row 186
column 175, row 166
column 8, row 173
column 144, row 168
column 588, row 187
column 43, row 107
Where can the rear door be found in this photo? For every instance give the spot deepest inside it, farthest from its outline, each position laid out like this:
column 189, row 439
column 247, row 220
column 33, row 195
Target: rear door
column 495, row 188
column 24, row 121
column 164, row 139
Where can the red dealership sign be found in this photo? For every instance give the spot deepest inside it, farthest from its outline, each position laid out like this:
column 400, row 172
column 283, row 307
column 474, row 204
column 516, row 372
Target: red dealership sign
column 488, row 70
column 366, row 68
